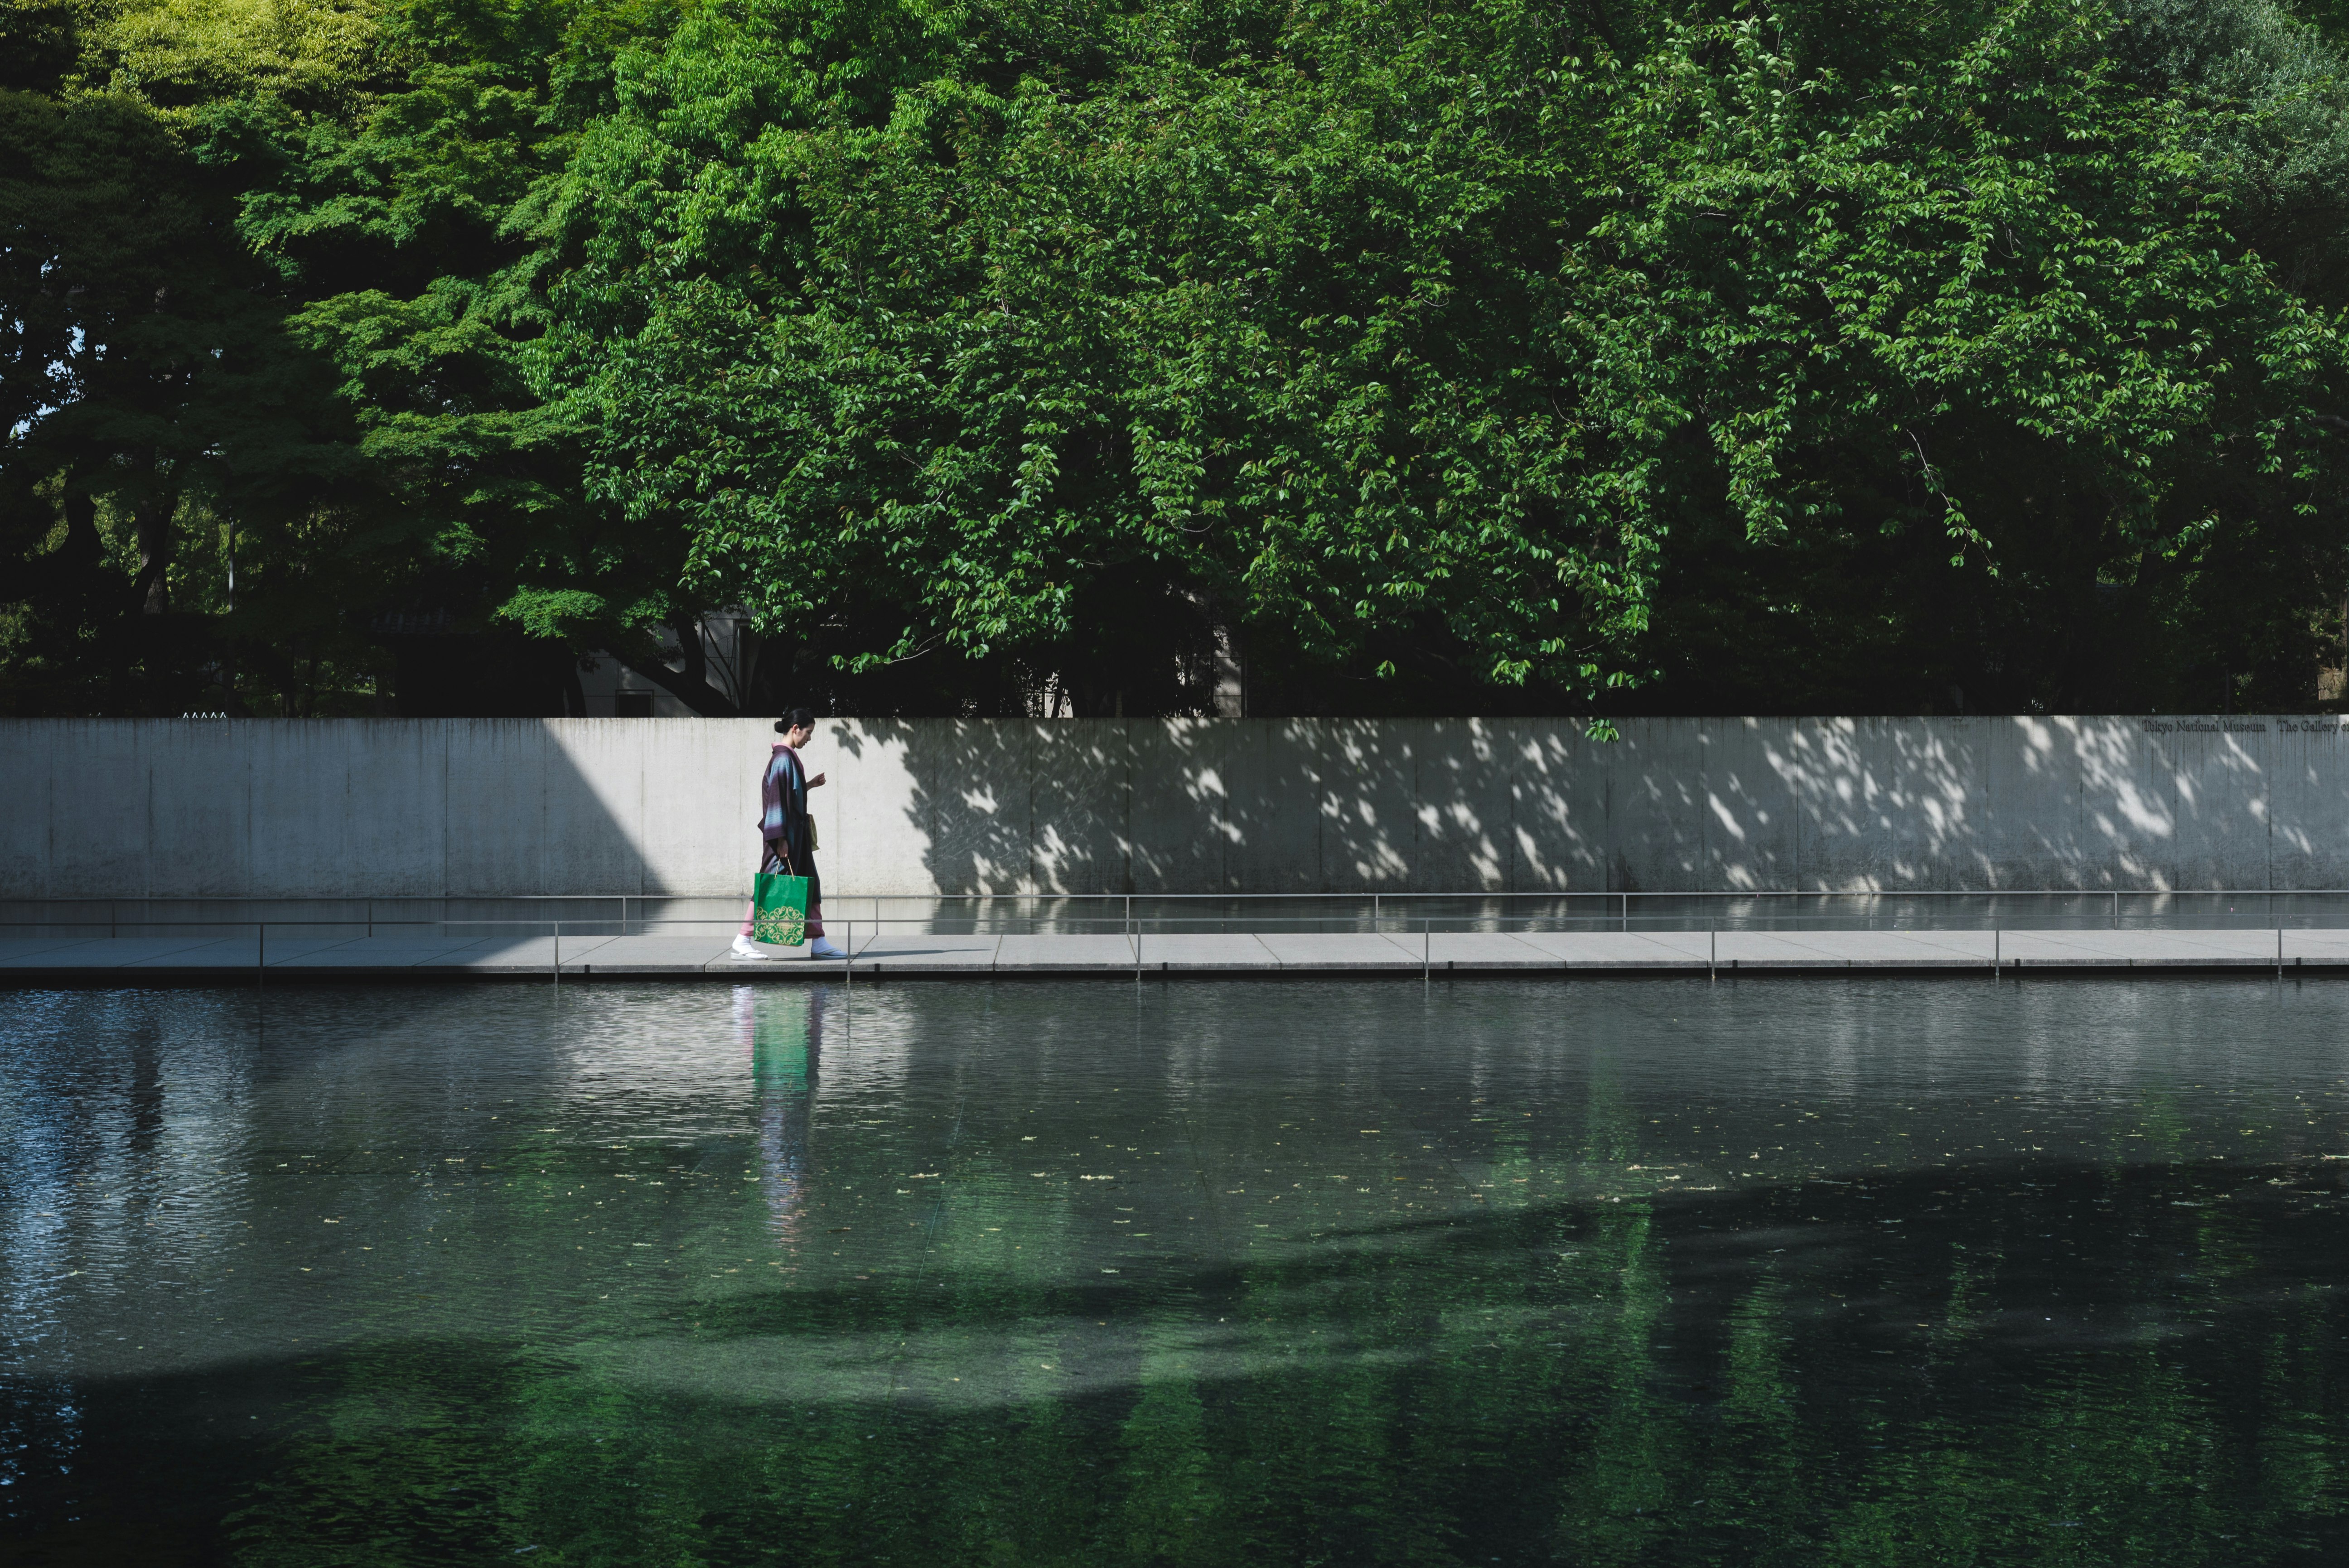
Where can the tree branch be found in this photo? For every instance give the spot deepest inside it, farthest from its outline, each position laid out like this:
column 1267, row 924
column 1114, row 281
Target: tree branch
column 698, row 695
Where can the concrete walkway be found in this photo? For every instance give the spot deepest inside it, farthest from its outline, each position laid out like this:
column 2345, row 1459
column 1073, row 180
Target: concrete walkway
column 208, row 956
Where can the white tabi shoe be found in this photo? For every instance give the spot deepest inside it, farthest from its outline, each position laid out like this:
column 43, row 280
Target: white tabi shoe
column 745, row 948
column 821, row 948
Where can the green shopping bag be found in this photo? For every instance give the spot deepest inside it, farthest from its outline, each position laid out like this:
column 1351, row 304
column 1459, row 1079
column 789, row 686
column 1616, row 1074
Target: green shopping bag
column 779, row 909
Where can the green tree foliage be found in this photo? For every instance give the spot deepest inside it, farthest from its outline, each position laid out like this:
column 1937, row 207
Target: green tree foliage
column 151, row 396
column 1502, row 355
column 417, row 235
column 1461, row 338
column 155, row 400
column 1993, row 321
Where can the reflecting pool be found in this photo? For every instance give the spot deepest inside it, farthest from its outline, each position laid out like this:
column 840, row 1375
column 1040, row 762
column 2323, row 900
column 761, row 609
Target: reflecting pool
column 1797, row 1271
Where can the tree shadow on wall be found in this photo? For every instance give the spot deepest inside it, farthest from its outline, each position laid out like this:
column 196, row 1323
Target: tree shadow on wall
column 1290, row 806
column 1524, row 806
column 1012, row 805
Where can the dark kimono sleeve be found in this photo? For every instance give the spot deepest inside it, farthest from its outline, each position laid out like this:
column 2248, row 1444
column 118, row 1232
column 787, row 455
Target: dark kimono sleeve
column 792, row 797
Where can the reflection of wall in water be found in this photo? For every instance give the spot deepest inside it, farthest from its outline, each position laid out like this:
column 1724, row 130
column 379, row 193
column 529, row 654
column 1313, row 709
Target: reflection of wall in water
column 488, row 808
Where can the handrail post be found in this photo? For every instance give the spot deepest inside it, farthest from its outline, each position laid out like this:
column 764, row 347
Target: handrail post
column 1712, row 955
column 259, row 951
column 1994, row 951
column 558, row 953
column 1426, row 946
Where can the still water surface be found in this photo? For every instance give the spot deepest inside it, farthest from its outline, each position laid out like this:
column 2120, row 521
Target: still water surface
column 1885, row 1271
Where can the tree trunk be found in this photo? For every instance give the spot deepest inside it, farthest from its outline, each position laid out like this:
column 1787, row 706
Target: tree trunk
column 151, row 516
column 687, row 632
column 687, row 689
column 768, row 687
column 82, row 550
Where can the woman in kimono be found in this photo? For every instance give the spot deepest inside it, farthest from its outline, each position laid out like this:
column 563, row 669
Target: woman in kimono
column 783, row 828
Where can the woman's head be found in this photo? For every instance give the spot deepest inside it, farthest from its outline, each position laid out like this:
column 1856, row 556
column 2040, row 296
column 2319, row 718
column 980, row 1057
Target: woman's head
column 795, row 726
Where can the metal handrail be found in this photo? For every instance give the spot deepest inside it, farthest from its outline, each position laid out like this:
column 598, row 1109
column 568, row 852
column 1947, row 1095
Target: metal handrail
column 1375, row 896
column 1621, row 900
column 1127, row 925
column 644, row 924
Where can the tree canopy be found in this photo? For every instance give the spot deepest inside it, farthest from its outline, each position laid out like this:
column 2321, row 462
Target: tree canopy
column 1006, row 358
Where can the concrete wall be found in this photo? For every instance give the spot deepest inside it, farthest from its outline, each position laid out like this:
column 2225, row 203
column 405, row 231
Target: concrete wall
column 461, row 807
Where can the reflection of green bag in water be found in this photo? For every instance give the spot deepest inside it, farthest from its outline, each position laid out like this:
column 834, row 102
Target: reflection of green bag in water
column 782, row 1026
column 780, row 1067
column 779, row 909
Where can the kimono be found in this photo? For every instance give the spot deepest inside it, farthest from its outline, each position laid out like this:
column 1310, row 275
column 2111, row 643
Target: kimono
column 787, row 844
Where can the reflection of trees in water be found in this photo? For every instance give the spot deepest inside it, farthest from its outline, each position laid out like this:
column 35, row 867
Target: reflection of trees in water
column 781, row 1031
column 1655, row 1382
column 1677, row 1380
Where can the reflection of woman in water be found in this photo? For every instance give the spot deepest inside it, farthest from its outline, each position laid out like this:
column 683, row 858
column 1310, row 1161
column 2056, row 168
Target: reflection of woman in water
column 781, row 1032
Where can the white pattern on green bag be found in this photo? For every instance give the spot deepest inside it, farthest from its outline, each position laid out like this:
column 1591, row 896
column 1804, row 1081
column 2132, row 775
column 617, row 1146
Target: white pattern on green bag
column 779, row 909
column 786, row 927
